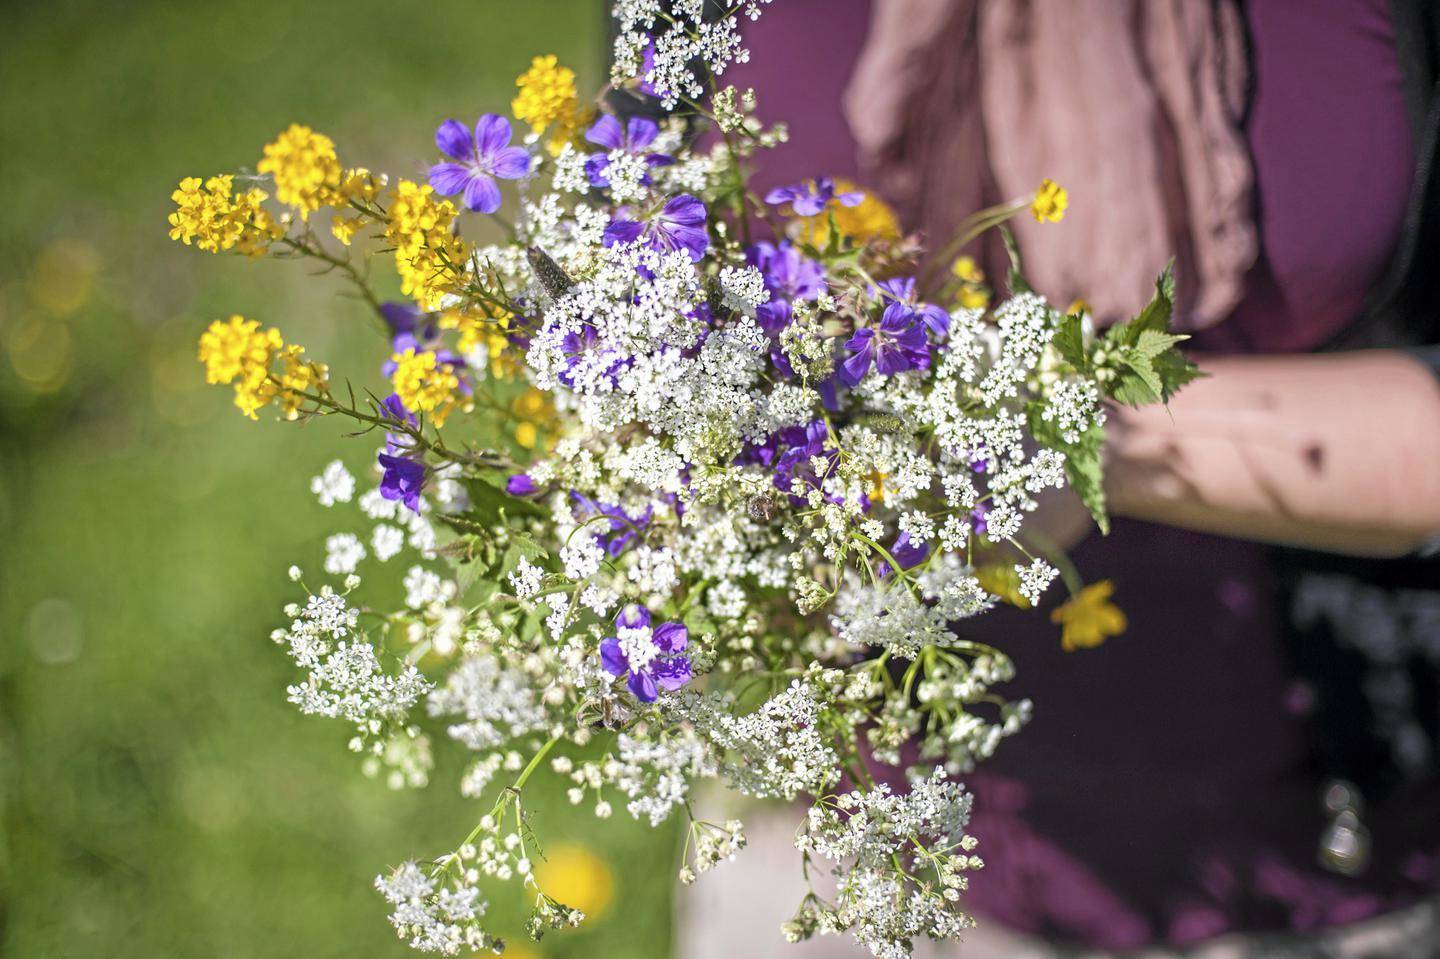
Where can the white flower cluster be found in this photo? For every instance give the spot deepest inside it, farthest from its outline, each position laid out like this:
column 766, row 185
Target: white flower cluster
column 664, row 59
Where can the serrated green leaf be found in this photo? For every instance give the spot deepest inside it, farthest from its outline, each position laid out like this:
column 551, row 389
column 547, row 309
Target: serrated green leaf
column 1070, row 341
column 1151, row 343
column 1175, row 371
column 1084, row 469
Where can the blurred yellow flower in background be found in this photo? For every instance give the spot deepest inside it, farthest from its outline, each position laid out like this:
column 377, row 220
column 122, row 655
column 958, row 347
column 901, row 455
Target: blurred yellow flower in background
column 1050, row 202
column 578, row 878
column 1003, row 582
column 1088, row 618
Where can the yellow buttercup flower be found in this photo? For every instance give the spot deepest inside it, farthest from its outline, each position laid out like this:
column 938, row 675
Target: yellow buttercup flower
column 306, row 170
column 966, row 270
column 577, row 877
column 1050, row 202
column 872, row 218
column 973, row 298
column 972, row 294
column 1088, row 618
column 424, row 384
column 238, row 351
column 547, row 93
column 535, row 411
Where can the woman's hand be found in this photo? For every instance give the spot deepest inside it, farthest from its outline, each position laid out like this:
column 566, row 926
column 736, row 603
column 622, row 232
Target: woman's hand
column 1338, row 452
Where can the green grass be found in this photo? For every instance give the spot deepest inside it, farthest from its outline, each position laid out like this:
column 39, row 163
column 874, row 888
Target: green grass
column 160, row 797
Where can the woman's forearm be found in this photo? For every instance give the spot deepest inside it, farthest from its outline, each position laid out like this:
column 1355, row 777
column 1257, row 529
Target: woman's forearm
column 1338, row 452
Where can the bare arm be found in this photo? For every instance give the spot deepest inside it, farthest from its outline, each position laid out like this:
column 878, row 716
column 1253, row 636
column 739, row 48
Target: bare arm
column 1339, row 452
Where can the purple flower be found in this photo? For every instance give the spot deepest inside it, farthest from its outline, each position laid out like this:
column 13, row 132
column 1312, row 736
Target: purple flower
column 403, row 480
column 897, row 344
column 789, row 275
column 679, row 226
column 624, row 528
column 979, row 519
column 809, row 197
column 905, row 552
column 521, row 484
column 798, row 461
column 480, row 159
column 900, row 293
column 649, row 658
column 585, row 353
column 637, row 134
column 397, row 443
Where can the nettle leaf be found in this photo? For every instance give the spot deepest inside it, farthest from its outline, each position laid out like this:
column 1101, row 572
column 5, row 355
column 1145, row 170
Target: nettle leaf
column 1175, row 371
column 1152, row 342
column 1151, row 369
column 1069, row 339
column 1084, row 466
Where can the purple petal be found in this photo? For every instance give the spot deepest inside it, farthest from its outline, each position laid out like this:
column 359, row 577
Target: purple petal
column 612, row 657
column 511, row 163
column 897, row 318
column 482, row 194
column 632, row 616
column 809, row 205
column 672, row 673
column 935, row 318
column 642, row 684
column 449, row 178
column 684, row 210
column 692, row 239
column 850, row 199
column 595, row 168
column 640, row 132
column 671, row 637
column 861, row 339
column 853, row 370
column 492, row 134
column 623, row 231
column 455, row 141
column 607, row 133
column 781, row 195
column 520, row 485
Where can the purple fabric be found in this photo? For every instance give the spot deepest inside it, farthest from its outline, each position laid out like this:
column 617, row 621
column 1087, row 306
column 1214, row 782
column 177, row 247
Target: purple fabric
column 1161, row 793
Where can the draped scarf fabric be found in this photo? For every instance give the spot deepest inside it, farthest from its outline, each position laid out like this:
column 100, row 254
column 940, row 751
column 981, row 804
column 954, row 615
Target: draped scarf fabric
column 1135, row 106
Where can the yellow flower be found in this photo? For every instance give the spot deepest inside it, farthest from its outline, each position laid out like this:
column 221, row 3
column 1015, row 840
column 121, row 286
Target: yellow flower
column 1050, row 202
column 345, row 228
column 211, row 217
column 424, row 384
column 238, row 351
column 870, row 219
column 1002, row 582
column 1080, row 306
column 536, row 414
column 428, row 256
column 973, row 298
column 359, row 184
column 966, row 270
column 577, row 877
column 306, row 169
column 972, row 294
column 547, row 93
column 1089, row 618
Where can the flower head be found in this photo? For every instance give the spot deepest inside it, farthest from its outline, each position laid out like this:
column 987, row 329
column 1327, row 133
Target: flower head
column 424, row 383
column 547, row 93
column 789, row 274
column 649, row 659
column 899, row 293
column 1088, row 618
column 1050, row 202
column 211, row 217
column 402, row 480
column 680, row 225
column 896, row 345
column 631, row 139
column 479, row 159
column 306, row 170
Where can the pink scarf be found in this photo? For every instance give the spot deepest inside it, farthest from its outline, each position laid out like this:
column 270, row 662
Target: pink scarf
column 1135, row 106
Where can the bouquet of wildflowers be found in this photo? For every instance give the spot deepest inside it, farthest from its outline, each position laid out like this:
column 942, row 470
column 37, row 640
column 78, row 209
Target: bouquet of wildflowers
column 682, row 482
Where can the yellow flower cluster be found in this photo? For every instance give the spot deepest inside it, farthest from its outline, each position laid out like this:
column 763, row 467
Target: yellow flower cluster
column 870, row 219
column 1050, row 202
column 1089, row 618
column 306, row 170
column 425, row 385
column 973, row 294
column 483, row 329
column 359, row 186
column 213, row 218
column 547, row 93
column 428, row 256
column 260, row 364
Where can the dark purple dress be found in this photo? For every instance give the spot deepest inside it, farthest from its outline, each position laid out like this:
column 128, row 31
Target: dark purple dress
column 1165, row 790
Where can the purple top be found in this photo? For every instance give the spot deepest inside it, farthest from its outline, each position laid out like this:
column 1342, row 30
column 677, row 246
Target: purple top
column 1161, row 792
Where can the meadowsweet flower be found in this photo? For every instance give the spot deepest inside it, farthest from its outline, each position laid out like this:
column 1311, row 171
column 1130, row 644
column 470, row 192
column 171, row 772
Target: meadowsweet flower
column 547, row 93
column 1088, row 618
column 479, row 159
column 306, row 170
column 1050, row 202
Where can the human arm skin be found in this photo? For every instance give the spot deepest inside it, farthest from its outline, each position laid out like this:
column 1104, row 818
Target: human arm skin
column 1337, row 452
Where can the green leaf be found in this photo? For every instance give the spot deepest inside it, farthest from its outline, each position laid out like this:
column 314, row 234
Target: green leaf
column 1157, row 313
column 1084, row 469
column 489, row 504
column 1152, row 343
column 1070, row 341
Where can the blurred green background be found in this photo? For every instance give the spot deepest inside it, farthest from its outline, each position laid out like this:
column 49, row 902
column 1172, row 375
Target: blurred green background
column 160, row 796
